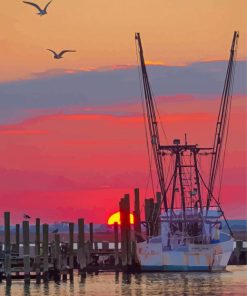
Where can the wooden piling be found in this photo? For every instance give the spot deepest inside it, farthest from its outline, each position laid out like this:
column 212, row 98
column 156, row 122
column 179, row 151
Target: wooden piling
column 26, row 252
column 124, row 207
column 81, row 249
column 37, row 251
column 239, row 246
column 45, row 253
column 57, row 259
column 17, row 239
column 91, row 235
column 123, row 234
column 71, row 250
column 137, row 216
column 157, row 206
column 149, row 215
column 116, row 255
column 7, row 257
column 128, row 232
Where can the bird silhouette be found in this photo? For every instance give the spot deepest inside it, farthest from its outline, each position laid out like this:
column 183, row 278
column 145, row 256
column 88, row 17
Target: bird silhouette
column 25, row 216
column 55, row 231
column 41, row 11
column 60, row 55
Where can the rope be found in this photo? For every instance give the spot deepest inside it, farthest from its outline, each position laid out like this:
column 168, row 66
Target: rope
column 145, row 124
column 211, row 194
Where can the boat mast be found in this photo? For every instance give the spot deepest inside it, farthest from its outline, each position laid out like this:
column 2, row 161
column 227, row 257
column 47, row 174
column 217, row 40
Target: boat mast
column 152, row 123
column 223, row 118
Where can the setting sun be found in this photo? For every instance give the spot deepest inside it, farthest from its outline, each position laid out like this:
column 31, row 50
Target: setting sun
column 116, row 218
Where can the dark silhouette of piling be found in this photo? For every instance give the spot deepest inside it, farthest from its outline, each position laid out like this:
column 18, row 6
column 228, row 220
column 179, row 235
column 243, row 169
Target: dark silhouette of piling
column 123, row 234
column 7, row 257
column 81, row 249
column 157, row 206
column 137, row 216
column 91, row 238
column 17, row 239
column 26, row 251
column 57, row 259
column 239, row 246
column 45, row 253
column 116, row 255
column 37, row 251
column 149, row 216
column 124, row 207
column 71, row 251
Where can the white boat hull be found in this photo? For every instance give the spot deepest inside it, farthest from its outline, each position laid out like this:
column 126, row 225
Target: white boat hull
column 192, row 257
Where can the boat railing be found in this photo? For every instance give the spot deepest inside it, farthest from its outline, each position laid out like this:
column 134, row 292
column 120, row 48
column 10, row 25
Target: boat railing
column 185, row 240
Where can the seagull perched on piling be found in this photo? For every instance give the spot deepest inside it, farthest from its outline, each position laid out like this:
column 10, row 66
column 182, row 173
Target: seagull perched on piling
column 41, row 11
column 25, row 216
column 60, row 55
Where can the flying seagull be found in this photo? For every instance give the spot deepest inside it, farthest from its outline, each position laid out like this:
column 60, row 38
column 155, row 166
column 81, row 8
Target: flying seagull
column 25, row 216
column 60, row 55
column 41, row 11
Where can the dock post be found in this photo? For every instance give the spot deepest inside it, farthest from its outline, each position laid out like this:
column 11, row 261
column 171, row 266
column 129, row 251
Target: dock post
column 116, row 245
column 57, row 259
column 26, row 252
column 71, row 251
column 128, row 233
column 7, row 257
column 45, row 253
column 37, row 251
column 17, row 242
column 81, row 249
column 149, row 211
column 137, row 216
column 239, row 246
column 157, row 207
column 123, row 235
column 2, row 265
column 124, row 207
column 91, row 235
column 17, row 239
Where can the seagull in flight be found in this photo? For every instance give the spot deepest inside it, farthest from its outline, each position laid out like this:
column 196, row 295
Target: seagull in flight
column 41, row 11
column 60, row 55
column 25, row 216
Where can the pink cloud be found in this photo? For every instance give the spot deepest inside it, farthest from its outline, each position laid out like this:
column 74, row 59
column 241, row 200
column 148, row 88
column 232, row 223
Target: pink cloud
column 78, row 161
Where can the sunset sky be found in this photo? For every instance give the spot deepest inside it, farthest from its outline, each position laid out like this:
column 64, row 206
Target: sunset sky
column 72, row 138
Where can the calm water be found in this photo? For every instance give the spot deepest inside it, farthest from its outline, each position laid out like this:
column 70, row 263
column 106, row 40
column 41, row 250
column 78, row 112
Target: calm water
column 232, row 282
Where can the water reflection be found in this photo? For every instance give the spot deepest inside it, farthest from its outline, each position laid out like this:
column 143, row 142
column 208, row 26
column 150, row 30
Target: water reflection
column 7, row 291
column 26, row 290
column 46, row 289
column 146, row 284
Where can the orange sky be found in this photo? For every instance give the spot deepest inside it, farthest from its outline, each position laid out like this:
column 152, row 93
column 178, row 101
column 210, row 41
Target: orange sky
column 174, row 32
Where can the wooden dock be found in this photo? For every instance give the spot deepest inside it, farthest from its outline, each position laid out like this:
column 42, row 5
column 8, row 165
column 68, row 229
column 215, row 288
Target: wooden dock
column 45, row 257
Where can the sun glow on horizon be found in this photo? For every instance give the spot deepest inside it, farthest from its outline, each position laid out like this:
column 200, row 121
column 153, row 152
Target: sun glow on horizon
column 116, row 218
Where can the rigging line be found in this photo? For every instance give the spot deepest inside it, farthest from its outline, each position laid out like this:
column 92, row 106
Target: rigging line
column 218, row 204
column 167, row 188
column 222, row 116
column 227, row 128
column 147, row 185
column 155, row 218
column 145, row 122
column 160, row 121
column 157, row 111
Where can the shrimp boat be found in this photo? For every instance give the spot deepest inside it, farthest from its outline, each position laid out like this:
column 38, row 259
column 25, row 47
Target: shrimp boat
column 185, row 234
